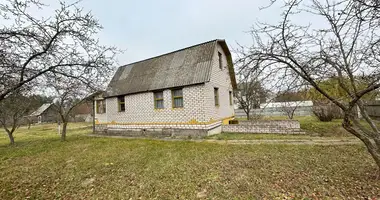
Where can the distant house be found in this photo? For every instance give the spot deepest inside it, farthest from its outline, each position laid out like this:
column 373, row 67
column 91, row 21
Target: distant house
column 188, row 89
column 44, row 114
column 83, row 112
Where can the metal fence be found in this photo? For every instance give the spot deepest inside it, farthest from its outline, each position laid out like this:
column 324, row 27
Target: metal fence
column 276, row 111
column 373, row 109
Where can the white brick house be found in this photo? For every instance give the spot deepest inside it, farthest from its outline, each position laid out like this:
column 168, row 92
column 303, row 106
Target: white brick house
column 188, row 89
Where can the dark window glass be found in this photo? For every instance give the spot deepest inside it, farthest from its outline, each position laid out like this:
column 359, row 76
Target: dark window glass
column 177, row 97
column 121, row 102
column 231, row 98
column 220, row 60
column 159, row 100
column 100, row 106
column 216, row 96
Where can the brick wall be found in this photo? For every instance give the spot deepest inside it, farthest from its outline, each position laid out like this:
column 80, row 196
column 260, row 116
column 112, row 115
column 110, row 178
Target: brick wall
column 139, row 108
column 267, row 126
column 277, row 123
column 220, row 79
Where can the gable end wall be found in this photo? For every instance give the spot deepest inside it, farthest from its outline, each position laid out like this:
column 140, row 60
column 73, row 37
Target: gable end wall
column 220, row 79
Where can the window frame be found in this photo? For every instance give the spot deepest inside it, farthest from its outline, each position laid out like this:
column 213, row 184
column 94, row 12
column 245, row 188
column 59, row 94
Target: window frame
column 216, row 96
column 231, row 98
column 177, row 97
column 158, row 99
column 100, row 106
column 119, row 103
column 220, row 60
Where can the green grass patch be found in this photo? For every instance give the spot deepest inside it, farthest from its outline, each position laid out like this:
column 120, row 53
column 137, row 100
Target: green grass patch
column 250, row 136
column 39, row 166
column 313, row 126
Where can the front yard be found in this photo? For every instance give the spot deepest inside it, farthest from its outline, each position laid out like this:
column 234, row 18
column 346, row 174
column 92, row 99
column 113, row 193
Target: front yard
column 39, row 166
column 243, row 136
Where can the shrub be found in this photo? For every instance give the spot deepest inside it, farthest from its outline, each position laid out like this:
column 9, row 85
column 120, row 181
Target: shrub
column 324, row 113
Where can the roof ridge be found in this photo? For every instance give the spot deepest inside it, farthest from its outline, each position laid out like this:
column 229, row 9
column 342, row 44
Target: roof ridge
column 215, row 40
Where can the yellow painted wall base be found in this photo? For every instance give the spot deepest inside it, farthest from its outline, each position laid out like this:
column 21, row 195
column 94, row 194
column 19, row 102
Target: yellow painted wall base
column 227, row 120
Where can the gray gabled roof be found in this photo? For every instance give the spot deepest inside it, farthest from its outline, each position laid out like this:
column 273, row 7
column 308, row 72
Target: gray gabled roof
column 41, row 109
column 188, row 66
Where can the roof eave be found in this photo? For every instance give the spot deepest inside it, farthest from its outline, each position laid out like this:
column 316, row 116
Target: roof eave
column 161, row 89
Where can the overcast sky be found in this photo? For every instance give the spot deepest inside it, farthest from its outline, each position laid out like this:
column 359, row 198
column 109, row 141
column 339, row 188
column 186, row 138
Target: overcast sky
column 146, row 28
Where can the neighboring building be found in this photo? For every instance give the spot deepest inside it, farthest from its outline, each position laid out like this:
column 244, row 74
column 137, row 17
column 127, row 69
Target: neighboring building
column 44, row 114
column 188, row 89
column 83, row 112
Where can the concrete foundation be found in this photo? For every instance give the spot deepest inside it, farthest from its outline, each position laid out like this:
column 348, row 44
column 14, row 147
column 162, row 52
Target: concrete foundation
column 158, row 132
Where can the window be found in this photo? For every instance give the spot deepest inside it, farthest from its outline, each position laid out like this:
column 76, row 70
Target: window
column 159, row 100
column 177, row 98
column 121, row 103
column 230, row 98
column 100, row 106
column 220, row 60
column 216, row 96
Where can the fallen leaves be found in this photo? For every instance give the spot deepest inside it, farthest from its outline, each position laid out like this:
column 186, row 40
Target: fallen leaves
column 146, row 169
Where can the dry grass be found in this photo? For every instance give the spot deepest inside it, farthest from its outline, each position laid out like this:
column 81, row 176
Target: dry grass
column 39, row 166
column 253, row 136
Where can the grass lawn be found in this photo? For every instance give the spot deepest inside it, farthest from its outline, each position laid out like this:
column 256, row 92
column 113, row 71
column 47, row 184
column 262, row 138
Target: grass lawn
column 251, row 136
column 39, row 166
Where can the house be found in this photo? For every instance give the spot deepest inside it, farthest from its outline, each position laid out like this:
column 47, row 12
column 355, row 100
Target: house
column 185, row 92
column 84, row 111
column 44, row 114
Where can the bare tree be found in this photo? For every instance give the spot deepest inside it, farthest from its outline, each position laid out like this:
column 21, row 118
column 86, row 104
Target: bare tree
column 249, row 95
column 12, row 111
column 345, row 46
column 290, row 101
column 289, row 108
column 70, row 93
column 33, row 48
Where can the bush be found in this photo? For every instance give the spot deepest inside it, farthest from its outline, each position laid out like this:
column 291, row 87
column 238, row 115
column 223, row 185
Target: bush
column 324, row 113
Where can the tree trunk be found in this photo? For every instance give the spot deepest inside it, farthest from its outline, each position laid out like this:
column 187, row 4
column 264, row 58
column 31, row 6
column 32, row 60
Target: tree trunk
column 63, row 133
column 292, row 114
column 373, row 147
column 375, row 152
column 11, row 138
column 248, row 117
